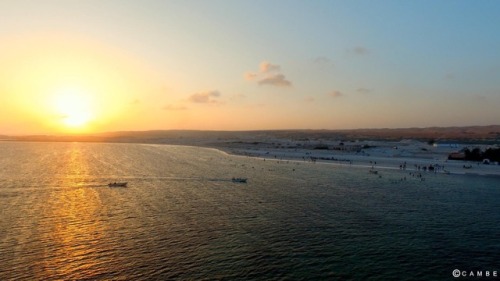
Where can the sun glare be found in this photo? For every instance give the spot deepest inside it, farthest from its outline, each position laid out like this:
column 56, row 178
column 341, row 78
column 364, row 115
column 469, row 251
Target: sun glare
column 57, row 83
column 73, row 107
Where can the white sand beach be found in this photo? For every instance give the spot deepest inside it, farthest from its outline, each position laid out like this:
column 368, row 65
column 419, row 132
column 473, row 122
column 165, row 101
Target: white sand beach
column 409, row 155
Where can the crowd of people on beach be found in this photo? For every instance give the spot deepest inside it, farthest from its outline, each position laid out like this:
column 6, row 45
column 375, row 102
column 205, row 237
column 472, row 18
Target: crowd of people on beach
column 414, row 165
column 436, row 168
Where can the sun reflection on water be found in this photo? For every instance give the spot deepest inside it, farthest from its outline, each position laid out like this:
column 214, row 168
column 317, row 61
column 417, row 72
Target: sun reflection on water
column 72, row 214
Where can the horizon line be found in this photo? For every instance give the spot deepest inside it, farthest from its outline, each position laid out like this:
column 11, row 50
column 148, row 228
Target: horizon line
column 241, row 131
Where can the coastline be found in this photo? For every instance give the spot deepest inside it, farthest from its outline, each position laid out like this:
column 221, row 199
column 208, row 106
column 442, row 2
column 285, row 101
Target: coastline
column 435, row 162
column 404, row 149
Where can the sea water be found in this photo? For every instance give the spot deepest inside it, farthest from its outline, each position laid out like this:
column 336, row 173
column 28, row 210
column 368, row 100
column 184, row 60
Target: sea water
column 181, row 217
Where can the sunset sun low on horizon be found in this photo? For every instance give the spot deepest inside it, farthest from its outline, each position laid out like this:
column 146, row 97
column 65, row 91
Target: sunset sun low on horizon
column 98, row 66
column 67, row 85
column 74, row 107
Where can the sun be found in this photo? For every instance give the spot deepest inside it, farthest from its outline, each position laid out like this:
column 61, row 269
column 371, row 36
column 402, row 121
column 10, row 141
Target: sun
column 73, row 107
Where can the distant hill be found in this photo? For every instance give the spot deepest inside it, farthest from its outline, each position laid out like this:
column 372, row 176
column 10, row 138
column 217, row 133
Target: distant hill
column 438, row 133
column 477, row 134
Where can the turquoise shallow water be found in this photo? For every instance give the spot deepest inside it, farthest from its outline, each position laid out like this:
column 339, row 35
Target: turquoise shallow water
column 182, row 218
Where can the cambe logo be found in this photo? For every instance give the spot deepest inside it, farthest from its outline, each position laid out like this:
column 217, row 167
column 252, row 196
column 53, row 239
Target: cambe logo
column 475, row 273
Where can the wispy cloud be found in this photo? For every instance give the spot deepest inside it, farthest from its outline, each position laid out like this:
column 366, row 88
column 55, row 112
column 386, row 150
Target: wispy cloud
column 269, row 74
column 359, row 50
column 251, row 76
column 335, row 94
column 205, row 97
column 266, row 67
column 363, row 90
column 322, row 61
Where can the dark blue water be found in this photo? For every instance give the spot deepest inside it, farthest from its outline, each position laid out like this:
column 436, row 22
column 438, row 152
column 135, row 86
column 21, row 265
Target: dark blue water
column 181, row 217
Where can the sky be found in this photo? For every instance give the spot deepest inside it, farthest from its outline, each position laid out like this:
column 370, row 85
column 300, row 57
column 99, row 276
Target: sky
column 88, row 66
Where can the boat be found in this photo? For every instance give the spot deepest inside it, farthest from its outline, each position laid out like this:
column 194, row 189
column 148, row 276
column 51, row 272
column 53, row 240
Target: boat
column 117, row 184
column 239, row 180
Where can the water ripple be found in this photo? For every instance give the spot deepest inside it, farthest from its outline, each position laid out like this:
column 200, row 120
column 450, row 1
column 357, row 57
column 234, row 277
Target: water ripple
column 182, row 218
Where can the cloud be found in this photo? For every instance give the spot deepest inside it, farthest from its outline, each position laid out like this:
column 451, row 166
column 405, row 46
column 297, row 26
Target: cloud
column 172, row 107
column 268, row 74
column 322, row 61
column 251, row 76
column 266, row 67
column 335, row 94
column 205, row 97
column 359, row 50
column 479, row 97
column 363, row 90
column 278, row 80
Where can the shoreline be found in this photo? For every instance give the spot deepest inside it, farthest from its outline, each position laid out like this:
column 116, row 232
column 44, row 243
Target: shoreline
column 408, row 163
column 406, row 155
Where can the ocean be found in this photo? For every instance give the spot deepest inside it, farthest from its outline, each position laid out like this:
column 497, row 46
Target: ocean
column 182, row 218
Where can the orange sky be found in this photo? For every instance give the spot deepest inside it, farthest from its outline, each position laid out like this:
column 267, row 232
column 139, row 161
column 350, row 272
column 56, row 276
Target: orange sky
column 95, row 66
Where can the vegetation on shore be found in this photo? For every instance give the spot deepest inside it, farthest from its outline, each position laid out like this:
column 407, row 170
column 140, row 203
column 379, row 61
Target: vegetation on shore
column 477, row 154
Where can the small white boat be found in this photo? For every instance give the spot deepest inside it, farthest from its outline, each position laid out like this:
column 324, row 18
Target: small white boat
column 117, row 184
column 240, row 180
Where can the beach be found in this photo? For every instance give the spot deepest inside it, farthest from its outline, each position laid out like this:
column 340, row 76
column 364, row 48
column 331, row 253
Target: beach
column 405, row 149
column 408, row 155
